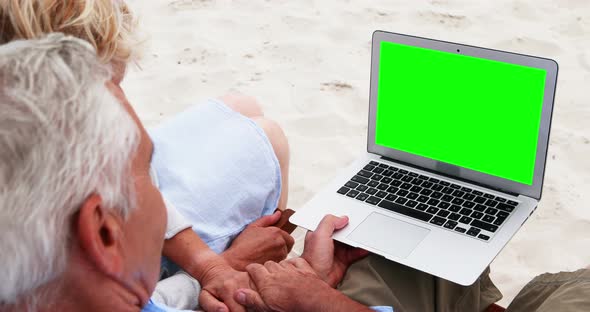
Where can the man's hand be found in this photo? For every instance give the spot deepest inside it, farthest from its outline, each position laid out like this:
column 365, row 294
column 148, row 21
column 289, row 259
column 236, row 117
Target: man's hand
column 219, row 283
column 330, row 259
column 286, row 286
column 259, row 242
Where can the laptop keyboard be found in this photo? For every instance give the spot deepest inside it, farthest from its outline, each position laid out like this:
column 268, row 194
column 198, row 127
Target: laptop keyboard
column 445, row 204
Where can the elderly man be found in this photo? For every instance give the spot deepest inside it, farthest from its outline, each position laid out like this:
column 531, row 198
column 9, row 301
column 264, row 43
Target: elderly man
column 82, row 223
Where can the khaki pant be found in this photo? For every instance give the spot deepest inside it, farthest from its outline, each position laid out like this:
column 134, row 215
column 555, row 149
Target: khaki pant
column 377, row 281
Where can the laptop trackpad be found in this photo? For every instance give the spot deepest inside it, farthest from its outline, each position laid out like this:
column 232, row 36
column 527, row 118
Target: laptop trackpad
column 389, row 235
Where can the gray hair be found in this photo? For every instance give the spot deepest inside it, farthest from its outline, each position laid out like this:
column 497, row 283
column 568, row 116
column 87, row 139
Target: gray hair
column 63, row 137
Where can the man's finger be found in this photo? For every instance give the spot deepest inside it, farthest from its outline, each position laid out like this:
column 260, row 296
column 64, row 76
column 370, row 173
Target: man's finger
column 209, row 303
column 272, row 266
column 329, row 224
column 251, row 300
column 267, row 220
column 257, row 272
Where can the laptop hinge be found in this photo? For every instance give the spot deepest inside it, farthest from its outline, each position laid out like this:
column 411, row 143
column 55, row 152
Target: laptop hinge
column 450, row 176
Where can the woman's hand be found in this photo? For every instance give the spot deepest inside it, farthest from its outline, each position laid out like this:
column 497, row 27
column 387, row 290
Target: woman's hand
column 259, row 242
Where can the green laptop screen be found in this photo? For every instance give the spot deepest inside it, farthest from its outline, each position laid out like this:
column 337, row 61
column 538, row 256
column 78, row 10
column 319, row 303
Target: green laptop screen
column 474, row 113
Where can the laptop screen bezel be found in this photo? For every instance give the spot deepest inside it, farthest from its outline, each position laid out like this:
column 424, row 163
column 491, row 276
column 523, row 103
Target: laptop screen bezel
column 488, row 180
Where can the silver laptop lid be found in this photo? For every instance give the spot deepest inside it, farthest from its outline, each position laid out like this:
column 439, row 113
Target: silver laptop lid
column 477, row 114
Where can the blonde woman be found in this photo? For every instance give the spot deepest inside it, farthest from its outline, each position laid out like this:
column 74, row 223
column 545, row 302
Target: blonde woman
column 220, row 165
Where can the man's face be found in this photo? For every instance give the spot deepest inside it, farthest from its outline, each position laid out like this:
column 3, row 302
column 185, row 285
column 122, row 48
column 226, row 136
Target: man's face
column 145, row 228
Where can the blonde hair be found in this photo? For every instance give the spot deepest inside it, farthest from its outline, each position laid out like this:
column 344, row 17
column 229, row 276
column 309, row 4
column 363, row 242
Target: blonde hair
column 106, row 24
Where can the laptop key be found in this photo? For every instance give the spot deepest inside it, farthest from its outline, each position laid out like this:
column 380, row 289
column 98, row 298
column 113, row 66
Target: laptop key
column 381, row 194
column 499, row 221
column 422, row 199
column 513, row 203
column 401, row 200
column 480, row 208
column 450, row 224
column 382, row 186
column 427, row 184
column 443, row 213
column 455, row 186
column 460, row 229
column 454, row 208
column 386, row 180
column 445, row 183
column 488, row 219
column 458, row 193
column 359, row 179
column 423, row 177
column 422, row 207
column 373, row 200
column 490, row 196
column 447, row 190
column 365, row 173
column 411, row 204
column 351, row 184
column 402, row 192
column 352, row 193
column 413, row 213
column 473, row 231
column 502, row 214
column 479, row 200
column 426, row 192
column 466, row 212
column 371, row 191
column 362, row 188
column 343, row 190
column 438, row 221
column 484, row 237
column 373, row 183
column 396, row 183
column 369, row 167
column 412, row 196
column 407, row 178
column 468, row 204
column 374, row 163
column 398, row 175
column 455, row 216
column 434, row 180
column 391, row 197
column 392, row 189
column 465, row 219
column 432, row 210
column 362, row 196
column 433, row 202
column 466, row 189
column 500, row 199
column 447, row 198
column 416, row 189
column 484, row 226
column 491, row 203
column 388, row 173
column 491, row 211
column 444, row 205
column 436, row 195
column 378, row 170
column 416, row 181
column 406, row 186
column 457, row 201
column 505, row 207
column 469, row 196
column 477, row 215
column 437, row 187
column 377, row 177
column 477, row 193
column 413, row 174
column 384, row 166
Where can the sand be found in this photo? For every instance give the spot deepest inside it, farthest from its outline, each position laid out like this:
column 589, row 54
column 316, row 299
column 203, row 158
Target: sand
column 307, row 62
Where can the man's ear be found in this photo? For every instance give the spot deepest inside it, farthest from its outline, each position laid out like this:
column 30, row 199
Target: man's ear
column 99, row 234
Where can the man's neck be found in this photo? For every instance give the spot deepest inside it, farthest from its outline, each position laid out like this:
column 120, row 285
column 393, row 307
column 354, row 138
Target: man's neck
column 85, row 289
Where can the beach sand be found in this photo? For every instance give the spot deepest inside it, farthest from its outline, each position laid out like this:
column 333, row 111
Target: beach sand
column 308, row 61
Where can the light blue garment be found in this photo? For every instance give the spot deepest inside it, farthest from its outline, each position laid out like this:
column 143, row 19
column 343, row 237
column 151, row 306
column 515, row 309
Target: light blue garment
column 217, row 168
column 382, row 309
column 153, row 306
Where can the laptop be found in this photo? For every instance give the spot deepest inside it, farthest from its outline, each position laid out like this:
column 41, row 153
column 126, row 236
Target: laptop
column 456, row 152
